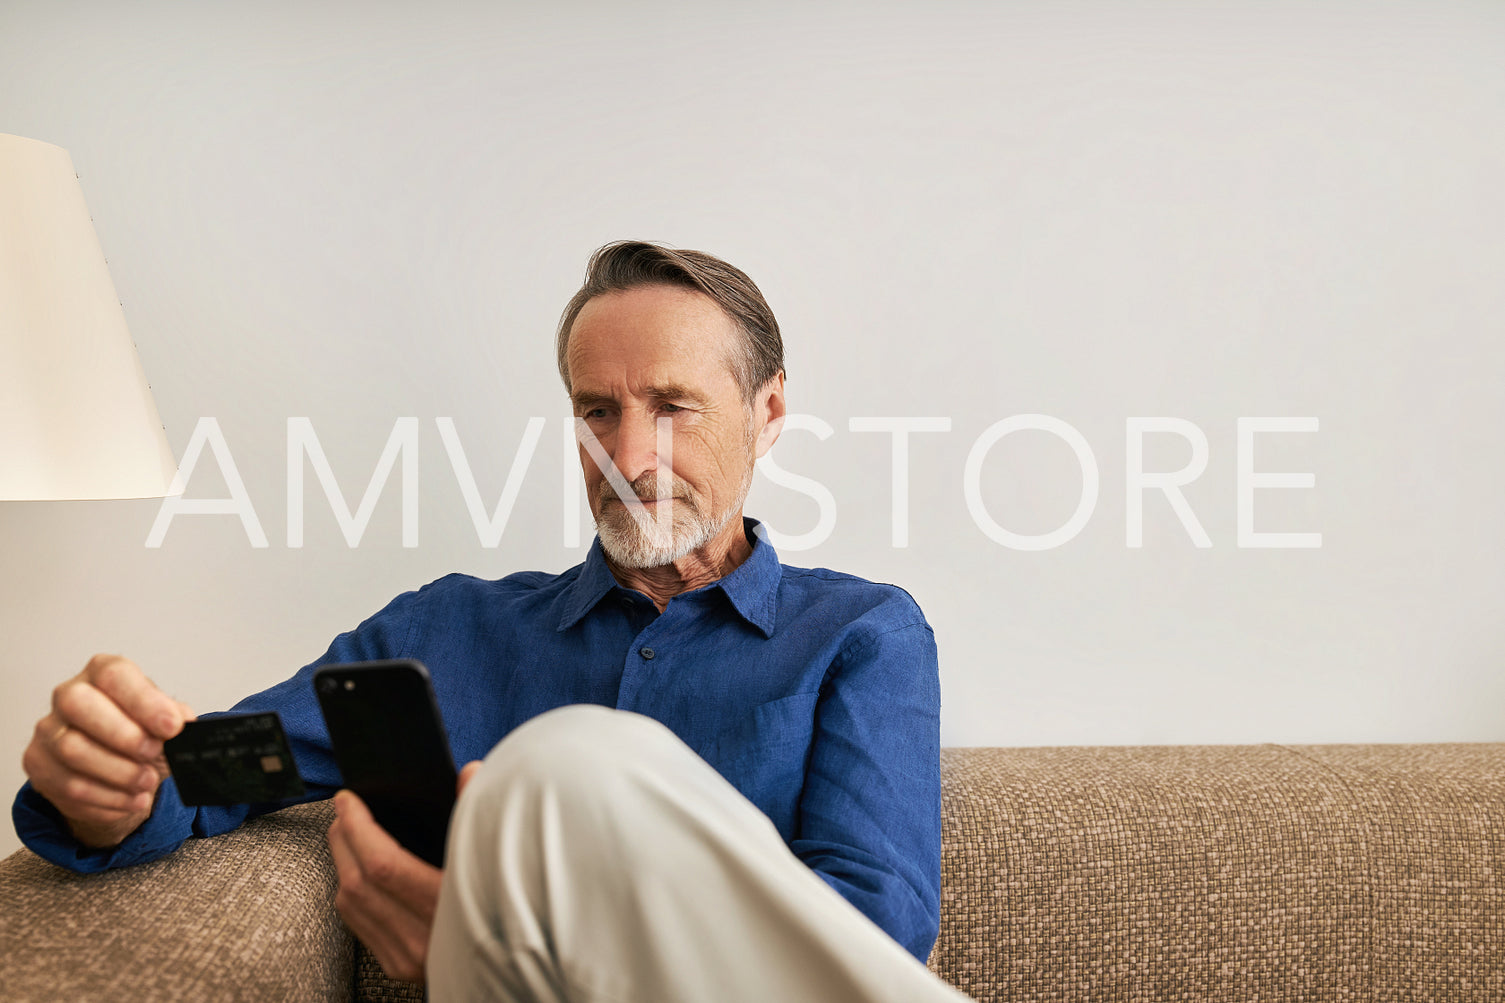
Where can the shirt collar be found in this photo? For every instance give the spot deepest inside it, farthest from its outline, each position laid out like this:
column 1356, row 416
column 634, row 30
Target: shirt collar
column 752, row 587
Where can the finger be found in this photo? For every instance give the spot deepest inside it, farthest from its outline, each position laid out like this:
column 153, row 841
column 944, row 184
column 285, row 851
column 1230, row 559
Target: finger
column 77, row 795
column 396, row 935
column 354, row 900
column 83, row 707
column 123, row 682
column 159, row 762
column 467, row 771
column 77, row 753
column 380, row 866
column 411, row 881
column 91, row 801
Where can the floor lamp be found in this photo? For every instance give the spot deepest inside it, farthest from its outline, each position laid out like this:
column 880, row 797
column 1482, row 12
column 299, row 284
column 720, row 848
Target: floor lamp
column 77, row 419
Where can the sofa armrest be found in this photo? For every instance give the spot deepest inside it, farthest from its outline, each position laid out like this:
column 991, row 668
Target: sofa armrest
column 247, row 915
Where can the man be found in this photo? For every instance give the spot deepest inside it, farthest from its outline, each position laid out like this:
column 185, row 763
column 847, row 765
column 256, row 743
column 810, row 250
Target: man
column 770, row 763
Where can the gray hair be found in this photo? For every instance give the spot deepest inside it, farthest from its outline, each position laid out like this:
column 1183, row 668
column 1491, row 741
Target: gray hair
column 626, row 264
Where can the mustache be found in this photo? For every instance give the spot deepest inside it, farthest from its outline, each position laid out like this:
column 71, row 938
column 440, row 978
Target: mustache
column 646, row 487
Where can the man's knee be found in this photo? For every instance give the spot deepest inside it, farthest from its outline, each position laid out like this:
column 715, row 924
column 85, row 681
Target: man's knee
column 579, row 748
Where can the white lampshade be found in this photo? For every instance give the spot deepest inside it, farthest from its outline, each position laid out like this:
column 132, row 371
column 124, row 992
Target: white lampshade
column 77, row 419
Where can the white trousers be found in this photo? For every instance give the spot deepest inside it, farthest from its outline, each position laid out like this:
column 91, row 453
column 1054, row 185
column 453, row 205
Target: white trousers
column 596, row 858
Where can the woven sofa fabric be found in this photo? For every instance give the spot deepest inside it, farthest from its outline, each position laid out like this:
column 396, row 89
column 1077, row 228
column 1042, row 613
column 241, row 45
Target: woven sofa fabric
column 1223, row 873
column 1435, row 836
column 245, row 916
column 372, row 985
column 1269, row 873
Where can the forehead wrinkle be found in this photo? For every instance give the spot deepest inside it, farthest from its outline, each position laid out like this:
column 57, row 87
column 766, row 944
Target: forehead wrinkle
column 633, row 344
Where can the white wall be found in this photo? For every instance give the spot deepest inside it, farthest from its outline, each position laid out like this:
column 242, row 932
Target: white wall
column 1093, row 212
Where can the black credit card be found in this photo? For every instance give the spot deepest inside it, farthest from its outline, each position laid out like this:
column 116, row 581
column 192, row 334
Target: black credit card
column 233, row 759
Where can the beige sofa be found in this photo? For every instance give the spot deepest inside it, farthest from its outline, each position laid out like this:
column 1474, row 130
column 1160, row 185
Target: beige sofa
column 1159, row 873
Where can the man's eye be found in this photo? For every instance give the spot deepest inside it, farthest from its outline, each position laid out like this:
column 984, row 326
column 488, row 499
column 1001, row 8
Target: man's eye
column 595, row 412
column 671, row 408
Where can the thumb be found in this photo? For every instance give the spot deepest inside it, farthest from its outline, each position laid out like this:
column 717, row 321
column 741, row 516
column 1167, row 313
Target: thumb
column 469, row 770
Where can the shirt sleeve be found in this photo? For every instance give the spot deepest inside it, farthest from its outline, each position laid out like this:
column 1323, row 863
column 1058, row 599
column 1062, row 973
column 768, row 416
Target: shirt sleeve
column 870, row 812
column 42, row 828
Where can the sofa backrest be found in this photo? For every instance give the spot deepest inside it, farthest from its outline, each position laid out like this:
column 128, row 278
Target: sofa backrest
column 1216, row 873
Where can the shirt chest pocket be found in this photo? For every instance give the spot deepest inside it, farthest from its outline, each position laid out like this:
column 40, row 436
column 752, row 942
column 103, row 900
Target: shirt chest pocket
column 764, row 754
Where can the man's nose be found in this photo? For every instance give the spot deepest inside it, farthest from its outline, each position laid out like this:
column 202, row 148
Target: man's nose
column 638, row 446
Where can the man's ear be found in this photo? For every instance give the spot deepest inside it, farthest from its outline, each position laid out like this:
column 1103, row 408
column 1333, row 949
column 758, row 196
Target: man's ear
column 768, row 414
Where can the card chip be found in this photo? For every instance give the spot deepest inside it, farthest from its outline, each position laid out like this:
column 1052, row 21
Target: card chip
column 271, row 764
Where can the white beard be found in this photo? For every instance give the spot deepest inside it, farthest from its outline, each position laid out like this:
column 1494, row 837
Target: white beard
column 632, row 544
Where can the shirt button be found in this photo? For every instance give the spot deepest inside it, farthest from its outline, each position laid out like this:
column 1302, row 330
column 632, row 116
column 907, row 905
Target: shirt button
column 647, row 653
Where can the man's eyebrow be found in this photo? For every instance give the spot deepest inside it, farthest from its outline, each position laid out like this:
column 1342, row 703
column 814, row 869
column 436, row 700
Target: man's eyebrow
column 586, row 399
column 675, row 392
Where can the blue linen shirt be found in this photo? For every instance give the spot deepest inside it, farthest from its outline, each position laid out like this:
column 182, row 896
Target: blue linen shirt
column 814, row 693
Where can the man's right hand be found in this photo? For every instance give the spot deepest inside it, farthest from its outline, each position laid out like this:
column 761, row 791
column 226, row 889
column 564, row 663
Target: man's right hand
column 98, row 755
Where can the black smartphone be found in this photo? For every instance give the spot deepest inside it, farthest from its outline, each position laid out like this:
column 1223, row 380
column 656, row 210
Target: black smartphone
column 391, row 747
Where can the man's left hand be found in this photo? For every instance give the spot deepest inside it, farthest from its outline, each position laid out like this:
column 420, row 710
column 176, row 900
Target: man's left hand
column 387, row 895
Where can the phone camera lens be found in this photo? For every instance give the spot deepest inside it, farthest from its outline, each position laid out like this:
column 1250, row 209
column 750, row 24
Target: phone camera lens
column 327, row 685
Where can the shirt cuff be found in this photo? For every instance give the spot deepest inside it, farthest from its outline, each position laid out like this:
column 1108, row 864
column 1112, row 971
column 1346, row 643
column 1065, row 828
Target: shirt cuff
column 44, row 831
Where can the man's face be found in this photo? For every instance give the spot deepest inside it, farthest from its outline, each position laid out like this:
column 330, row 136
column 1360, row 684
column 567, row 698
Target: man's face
column 654, row 352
